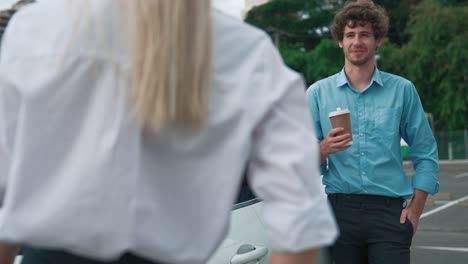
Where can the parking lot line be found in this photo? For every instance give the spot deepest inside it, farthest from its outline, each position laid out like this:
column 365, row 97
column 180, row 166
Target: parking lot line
column 444, row 248
column 463, row 175
column 445, row 206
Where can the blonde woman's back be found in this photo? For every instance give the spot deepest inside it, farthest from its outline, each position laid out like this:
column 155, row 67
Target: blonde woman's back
column 86, row 178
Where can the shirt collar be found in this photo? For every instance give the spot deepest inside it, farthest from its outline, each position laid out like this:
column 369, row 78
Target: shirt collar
column 342, row 79
column 376, row 77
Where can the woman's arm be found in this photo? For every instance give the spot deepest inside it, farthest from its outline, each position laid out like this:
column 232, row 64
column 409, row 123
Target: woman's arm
column 305, row 257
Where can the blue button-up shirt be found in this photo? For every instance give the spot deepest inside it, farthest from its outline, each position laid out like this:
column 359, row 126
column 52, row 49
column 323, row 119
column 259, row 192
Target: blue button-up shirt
column 387, row 110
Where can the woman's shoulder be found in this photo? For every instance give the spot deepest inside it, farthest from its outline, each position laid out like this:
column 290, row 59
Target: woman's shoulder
column 233, row 35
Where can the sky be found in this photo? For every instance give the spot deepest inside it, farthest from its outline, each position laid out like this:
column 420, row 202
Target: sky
column 232, row 7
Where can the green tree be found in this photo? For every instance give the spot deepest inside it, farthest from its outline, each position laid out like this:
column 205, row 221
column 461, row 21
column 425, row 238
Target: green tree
column 295, row 56
column 297, row 22
column 307, row 21
column 300, row 28
column 398, row 12
column 325, row 60
column 435, row 60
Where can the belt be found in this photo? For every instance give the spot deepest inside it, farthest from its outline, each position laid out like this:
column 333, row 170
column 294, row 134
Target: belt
column 339, row 198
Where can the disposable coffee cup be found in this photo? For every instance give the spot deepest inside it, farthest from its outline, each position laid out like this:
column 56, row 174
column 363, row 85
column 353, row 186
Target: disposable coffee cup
column 342, row 118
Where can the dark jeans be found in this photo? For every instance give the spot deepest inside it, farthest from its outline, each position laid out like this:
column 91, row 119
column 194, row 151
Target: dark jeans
column 40, row 256
column 370, row 230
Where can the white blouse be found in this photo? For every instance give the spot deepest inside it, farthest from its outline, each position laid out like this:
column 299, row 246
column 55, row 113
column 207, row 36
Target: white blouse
column 79, row 174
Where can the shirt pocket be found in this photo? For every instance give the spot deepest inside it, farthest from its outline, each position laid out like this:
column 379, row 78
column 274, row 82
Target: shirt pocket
column 387, row 124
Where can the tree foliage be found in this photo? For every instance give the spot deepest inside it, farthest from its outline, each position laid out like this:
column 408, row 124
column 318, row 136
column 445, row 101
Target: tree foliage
column 297, row 22
column 326, row 59
column 399, row 13
column 435, row 60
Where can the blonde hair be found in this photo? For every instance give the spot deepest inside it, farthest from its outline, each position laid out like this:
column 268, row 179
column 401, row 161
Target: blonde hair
column 171, row 49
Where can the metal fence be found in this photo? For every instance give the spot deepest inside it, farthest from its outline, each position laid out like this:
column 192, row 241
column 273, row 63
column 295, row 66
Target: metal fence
column 452, row 144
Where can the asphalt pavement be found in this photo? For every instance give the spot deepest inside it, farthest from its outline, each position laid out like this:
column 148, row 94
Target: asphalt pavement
column 442, row 235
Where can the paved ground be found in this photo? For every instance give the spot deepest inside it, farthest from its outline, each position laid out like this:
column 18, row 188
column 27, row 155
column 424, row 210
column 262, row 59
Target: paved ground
column 442, row 235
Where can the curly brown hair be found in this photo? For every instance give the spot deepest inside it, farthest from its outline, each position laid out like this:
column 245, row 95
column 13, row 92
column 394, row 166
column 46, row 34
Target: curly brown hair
column 360, row 12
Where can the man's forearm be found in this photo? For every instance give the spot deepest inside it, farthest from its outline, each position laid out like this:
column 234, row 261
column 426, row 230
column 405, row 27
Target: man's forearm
column 418, row 201
column 7, row 253
column 305, row 257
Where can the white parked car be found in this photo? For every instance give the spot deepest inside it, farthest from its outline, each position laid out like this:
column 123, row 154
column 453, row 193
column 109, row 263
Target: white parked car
column 246, row 242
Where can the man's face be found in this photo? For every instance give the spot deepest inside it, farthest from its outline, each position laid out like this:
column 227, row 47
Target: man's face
column 359, row 44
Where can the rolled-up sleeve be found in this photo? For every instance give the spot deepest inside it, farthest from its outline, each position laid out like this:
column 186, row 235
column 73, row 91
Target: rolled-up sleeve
column 423, row 147
column 284, row 166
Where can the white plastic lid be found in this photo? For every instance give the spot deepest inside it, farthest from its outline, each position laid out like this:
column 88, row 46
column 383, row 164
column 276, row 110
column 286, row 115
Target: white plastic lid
column 338, row 111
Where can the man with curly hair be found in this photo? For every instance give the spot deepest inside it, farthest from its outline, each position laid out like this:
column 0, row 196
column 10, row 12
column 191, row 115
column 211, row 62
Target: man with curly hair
column 363, row 172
